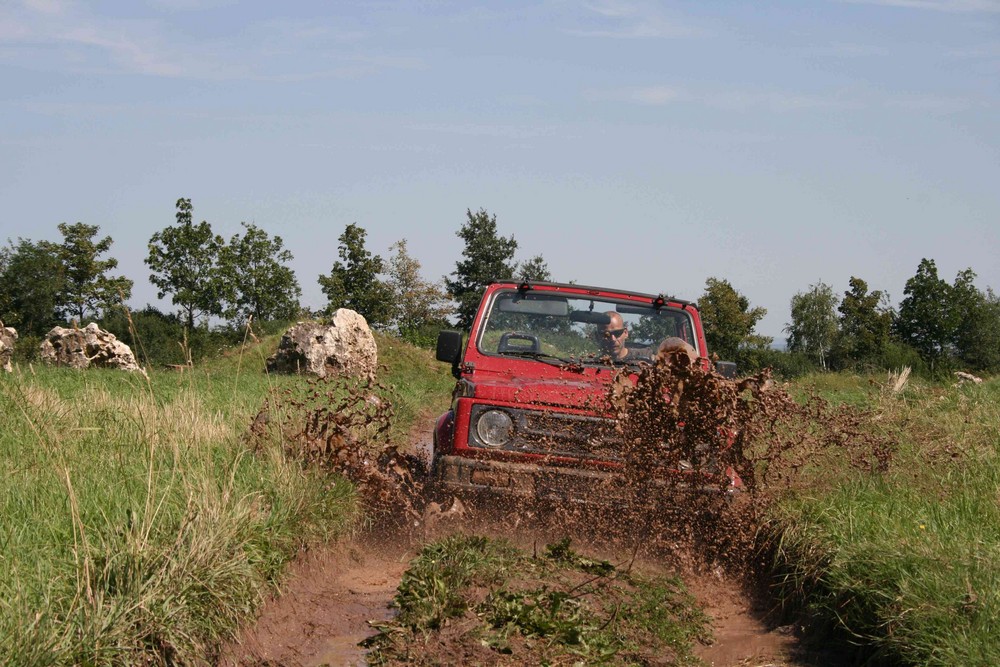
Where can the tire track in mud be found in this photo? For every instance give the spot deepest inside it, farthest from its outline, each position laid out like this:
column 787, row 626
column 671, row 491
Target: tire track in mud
column 326, row 607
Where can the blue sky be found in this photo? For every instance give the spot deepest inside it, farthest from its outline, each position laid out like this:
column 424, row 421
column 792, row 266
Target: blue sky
column 644, row 145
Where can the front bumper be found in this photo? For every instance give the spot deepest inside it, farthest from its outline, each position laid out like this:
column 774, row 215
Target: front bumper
column 545, row 482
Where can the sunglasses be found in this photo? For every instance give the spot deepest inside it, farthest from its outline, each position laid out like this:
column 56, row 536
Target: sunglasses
column 613, row 333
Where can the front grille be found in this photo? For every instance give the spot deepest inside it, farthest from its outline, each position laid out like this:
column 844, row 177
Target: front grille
column 559, row 434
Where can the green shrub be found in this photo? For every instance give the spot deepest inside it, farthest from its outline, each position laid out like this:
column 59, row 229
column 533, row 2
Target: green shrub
column 26, row 349
column 786, row 365
column 424, row 336
column 159, row 339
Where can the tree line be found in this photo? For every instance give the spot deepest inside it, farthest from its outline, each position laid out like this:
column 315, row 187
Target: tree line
column 247, row 280
column 937, row 327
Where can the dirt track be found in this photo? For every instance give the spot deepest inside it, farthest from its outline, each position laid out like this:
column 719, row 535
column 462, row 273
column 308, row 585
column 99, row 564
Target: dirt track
column 331, row 598
column 333, row 594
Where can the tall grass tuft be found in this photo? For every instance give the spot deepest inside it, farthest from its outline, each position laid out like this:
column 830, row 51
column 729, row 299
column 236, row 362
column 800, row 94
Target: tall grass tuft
column 137, row 526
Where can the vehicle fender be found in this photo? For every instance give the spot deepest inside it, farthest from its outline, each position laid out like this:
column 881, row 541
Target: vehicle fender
column 444, row 434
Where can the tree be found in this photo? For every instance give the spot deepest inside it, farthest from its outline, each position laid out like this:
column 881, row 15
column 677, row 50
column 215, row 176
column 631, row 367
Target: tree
column 977, row 316
column 86, row 287
column 184, row 263
column 865, row 324
column 418, row 303
column 31, row 280
column 814, row 322
column 487, row 258
column 260, row 284
column 926, row 319
column 729, row 321
column 354, row 280
column 535, row 268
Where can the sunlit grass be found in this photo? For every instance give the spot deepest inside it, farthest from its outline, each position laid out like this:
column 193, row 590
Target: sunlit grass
column 421, row 385
column 136, row 524
column 908, row 562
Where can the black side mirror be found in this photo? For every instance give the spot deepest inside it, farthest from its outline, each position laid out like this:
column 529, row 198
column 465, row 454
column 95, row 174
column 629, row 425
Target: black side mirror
column 726, row 369
column 449, row 348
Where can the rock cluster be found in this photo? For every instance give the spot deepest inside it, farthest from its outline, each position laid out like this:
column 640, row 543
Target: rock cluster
column 86, row 347
column 345, row 346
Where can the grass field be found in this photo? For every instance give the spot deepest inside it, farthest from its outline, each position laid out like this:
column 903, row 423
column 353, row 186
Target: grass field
column 138, row 526
column 907, row 563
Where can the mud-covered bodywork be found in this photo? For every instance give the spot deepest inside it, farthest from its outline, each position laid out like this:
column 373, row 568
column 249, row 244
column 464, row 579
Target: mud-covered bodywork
column 530, row 412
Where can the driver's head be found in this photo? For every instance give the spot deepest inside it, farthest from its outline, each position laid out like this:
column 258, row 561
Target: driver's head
column 611, row 336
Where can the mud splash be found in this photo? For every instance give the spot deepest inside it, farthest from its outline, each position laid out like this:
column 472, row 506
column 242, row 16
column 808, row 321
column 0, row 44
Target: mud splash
column 705, row 457
column 702, row 459
column 685, row 434
column 341, row 425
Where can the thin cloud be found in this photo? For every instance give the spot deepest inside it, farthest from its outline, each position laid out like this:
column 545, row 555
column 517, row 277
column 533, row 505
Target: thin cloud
column 650, row 95
column 982, row 51
column 787, row 102
column 624, row 20
column 354, row 67
column 484, row 130
column 951, row 6
column 779, row 102
column 192, row 5
column 728, row 100
column 125, row 51
column 49, row 7
column 850, row 50
column 129, row 45
column 13, row 31
column 934, row 104
column 291, row 32
column 59, row 36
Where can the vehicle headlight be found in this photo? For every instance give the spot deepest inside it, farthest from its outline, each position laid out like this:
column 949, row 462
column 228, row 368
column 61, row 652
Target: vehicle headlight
column 494, row 428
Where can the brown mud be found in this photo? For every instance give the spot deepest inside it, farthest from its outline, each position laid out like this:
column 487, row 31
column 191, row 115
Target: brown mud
column 674, row 416
column 332, row 597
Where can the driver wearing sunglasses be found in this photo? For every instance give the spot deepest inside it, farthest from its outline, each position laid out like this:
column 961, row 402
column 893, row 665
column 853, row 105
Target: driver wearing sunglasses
column 611, row 337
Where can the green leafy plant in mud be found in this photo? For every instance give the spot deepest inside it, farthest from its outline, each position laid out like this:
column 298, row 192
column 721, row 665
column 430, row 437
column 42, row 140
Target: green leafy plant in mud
column 492, row 602
column 906, row 563
column 430, row 592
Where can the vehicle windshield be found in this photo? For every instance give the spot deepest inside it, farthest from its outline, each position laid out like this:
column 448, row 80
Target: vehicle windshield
column 561, row 329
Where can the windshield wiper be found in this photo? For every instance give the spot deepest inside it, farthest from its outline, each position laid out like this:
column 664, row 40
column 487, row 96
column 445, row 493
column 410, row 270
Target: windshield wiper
column 608, row 360
column 543, row 357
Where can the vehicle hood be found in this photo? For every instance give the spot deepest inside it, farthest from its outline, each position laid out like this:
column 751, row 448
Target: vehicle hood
column 587, row 393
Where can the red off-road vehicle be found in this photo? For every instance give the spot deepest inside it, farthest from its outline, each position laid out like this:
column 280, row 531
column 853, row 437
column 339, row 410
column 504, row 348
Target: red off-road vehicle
column 529, row 414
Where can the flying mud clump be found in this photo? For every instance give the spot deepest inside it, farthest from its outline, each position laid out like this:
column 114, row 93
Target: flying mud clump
column 704, row 457
column 341, row 425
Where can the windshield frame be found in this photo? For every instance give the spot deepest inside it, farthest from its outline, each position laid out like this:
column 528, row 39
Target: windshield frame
column 591, row 303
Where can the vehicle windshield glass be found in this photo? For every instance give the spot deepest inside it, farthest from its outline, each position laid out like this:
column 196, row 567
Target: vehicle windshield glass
column 587, row 330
